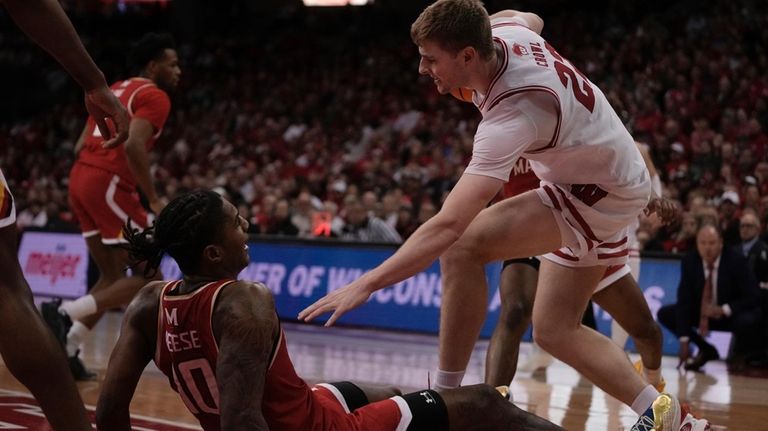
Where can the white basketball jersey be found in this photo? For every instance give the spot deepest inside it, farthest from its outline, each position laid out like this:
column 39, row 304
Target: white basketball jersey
column 590, row 144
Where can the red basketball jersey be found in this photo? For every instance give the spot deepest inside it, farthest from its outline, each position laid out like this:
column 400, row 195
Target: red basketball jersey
column 187, row 353
column 143, row 99
column 521, row 179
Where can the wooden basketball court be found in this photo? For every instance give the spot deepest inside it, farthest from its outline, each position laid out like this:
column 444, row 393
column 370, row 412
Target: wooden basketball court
column 375, row 357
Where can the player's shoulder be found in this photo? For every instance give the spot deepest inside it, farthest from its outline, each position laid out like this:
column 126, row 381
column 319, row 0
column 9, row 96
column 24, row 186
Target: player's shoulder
column 146, row 302
column 247, row 293
column 504, row 27
column 152, row 92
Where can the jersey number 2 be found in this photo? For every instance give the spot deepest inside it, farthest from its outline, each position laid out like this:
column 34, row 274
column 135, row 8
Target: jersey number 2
column 581, row 90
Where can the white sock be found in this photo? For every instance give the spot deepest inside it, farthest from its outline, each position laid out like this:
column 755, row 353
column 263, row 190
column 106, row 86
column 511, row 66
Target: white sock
column 652, row 376
column 644, row 399
column 75, row 337
column 448, row 379
column 79, row 308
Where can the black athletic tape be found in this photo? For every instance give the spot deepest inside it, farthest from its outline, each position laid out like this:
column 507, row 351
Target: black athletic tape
column 428, row 410
column 353, row 395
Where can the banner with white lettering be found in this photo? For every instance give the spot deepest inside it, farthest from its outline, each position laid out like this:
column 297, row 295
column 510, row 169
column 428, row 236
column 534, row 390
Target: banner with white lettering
column 299, row 274
column 55, row 264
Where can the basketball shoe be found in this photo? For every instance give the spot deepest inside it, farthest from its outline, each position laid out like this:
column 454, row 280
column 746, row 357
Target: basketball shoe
column 666, row 414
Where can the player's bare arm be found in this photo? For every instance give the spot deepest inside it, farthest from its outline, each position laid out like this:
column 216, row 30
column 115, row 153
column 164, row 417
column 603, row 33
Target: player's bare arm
column 666, row 209
column 133, row 351
column 245, row 326
column 470, row 195
column 46, row 23
column 141, row 131
column 80, row 141
column 647, row 159
column 533, row 21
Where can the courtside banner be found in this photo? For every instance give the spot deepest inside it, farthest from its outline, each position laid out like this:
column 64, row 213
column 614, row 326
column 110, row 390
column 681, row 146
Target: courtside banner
column 300, row 273
column 55, row 264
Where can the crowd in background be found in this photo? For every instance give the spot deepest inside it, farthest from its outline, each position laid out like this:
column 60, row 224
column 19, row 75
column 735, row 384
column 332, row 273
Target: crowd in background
column 319, row 125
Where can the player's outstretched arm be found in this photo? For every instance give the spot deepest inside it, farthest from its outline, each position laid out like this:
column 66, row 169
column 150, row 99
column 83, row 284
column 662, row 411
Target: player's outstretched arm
column 470, row 196
column 245, row 326
column 45, row 22
column 533, row 21
column 133, row 351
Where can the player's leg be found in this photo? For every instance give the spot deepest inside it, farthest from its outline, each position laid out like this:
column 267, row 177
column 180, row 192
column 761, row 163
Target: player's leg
column 481, row 408
column 352, row 396
column 518, row 227
column 561, row 296
column 517, row 289
column 471, row 408
column 29, row 349
column 624, row 300
column 618, row 334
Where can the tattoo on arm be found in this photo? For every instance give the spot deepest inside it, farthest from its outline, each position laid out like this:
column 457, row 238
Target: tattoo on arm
column 246, row 327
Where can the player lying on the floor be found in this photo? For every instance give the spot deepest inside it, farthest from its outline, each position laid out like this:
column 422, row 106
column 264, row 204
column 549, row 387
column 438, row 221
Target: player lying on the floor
column 220, row 343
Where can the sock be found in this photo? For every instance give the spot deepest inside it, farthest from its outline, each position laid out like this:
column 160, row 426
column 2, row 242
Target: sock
column 652, row 376
column 448, row 379
column 644, row 399
column 75, row 337
column 79, row 308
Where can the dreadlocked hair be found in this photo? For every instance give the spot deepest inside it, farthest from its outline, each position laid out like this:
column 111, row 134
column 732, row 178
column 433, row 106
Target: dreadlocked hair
column 184, row 227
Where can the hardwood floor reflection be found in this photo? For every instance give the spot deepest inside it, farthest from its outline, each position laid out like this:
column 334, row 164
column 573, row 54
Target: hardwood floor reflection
column 559, row 393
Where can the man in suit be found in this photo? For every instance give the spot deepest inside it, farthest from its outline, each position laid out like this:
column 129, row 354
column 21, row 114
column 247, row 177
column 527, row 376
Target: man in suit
column 717, row 291
column 753, row 248
column 756, row 252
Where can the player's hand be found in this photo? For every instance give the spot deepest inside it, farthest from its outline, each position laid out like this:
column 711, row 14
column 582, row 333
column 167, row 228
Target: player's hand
column 102, row 104
column 713, row 311
column 684, row 354
column 339, row 301
column 666, row 209
column 157, row 205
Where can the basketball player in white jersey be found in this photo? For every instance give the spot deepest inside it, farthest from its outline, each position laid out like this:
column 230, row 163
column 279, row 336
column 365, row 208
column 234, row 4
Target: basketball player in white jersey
column 593, row 185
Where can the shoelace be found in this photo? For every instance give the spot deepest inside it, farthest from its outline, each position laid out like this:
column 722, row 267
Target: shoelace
column 644, row 423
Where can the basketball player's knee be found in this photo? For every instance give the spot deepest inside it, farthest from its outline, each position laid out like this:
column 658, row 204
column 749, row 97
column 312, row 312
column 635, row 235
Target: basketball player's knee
column 392, row 391
column 515, row 312
column 483, row 399
column 548, row 337
column 649, row 332
column 453, row 256
column 459, row 253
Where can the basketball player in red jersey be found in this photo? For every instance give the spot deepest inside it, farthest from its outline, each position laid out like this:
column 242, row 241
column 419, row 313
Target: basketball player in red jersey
column 28, row 348
column 102, row 192
column 220, row 343
column 617, row 293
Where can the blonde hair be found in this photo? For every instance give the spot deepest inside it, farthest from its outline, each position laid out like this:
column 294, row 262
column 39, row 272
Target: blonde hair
column 455, row 25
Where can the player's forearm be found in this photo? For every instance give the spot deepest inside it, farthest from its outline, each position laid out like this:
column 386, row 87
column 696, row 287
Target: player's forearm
column 46, row 23
column 138, row 163
column 416, row 254
column 111, row 416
